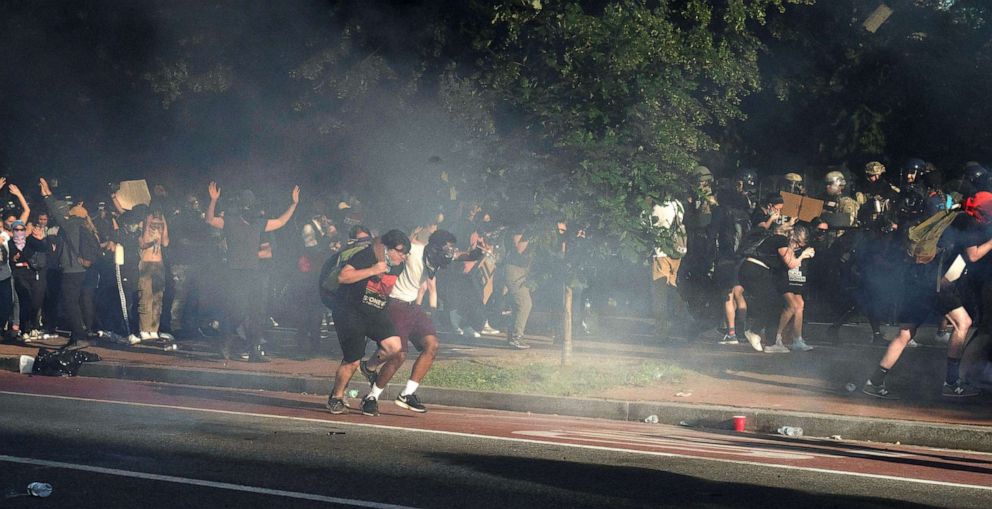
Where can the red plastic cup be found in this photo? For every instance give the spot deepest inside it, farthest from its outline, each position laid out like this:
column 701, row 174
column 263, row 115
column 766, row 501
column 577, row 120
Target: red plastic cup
column 740, row 421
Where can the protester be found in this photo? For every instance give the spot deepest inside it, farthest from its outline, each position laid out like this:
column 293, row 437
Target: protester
column 366, row 280
column 243, row 228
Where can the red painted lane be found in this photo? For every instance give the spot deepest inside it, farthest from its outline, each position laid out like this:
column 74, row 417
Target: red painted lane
column 907, row 462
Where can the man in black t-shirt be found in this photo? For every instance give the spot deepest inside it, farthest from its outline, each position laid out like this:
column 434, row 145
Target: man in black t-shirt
column 359, row 310
column 243, row 228
column 963, row 245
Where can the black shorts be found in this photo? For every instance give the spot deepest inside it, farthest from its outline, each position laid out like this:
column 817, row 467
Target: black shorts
column 725, row 275
column 411, row 322
column 949, row 298
column 919, row 298
column 353, row 326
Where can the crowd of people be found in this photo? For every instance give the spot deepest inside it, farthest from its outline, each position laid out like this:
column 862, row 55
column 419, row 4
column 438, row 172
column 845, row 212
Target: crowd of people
column 146, row 273
column 727, row 255
column 908, row 252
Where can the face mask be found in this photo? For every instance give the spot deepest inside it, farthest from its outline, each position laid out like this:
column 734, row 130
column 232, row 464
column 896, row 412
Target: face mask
column 439, row 256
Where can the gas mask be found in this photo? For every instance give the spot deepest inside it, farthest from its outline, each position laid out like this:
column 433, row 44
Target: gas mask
column 438, row 257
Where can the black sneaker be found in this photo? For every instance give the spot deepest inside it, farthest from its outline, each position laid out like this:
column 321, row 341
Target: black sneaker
column 515, row 342
column 410, row 402
column 370, row 406
column 372, row 376
column 878, row 339
column 336, row 405
column 878, row 391
column 959, row 390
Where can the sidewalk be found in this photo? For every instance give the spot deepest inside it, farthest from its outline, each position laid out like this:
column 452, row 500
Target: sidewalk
column 797, row 389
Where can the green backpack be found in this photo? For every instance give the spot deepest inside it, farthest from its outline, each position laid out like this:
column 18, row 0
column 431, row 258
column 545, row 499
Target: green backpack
column 328, row 282
column 923, row 238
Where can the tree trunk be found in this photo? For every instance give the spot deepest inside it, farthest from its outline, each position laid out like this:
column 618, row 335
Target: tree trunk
column 566, row 328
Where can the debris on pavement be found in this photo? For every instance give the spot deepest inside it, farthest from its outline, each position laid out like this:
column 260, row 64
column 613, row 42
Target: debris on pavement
column 790, row 431
column 61, row 362
column 683, row 394
column 651, row 419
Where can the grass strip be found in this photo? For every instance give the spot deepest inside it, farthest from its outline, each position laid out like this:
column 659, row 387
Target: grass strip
column 549, row 377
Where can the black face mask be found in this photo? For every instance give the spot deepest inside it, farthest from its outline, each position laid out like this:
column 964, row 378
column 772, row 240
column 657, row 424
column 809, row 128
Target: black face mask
column 438, row 257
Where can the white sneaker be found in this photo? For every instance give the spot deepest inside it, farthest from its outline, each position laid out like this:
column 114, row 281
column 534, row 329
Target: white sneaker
column 472, row 332
column 459, row 331
column 754, row 339
column 912, row 344
column 146, row 336
column 942, row 338
column 166, row 336
column 489, row 330
column 800, row 345
column 134, row 339
column 776, row 348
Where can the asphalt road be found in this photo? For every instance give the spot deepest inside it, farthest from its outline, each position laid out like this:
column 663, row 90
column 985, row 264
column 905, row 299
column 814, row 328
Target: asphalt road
column 113, row 443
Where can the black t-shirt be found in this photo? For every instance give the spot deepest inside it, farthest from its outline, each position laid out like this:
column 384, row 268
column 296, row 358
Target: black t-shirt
column 767, row 252
column 369, row 295
column 243, row 240
column 963, row 233
column 759, row 215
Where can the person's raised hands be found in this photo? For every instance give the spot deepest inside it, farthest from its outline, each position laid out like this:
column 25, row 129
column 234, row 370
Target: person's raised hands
column 214, row 190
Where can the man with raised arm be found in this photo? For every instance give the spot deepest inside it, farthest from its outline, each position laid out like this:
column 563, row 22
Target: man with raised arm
column 243, row 228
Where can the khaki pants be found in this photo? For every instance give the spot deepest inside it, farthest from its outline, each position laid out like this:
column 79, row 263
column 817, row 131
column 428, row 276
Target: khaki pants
column 664, row 272
column 519, row 293
column 151, row 286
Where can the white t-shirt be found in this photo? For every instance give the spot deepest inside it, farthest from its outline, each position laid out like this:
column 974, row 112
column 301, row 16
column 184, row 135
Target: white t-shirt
column 667, row 215
column 408, row 283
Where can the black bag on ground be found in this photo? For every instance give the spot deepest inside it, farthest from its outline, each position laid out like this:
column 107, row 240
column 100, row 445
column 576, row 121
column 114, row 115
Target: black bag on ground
column 61, row 362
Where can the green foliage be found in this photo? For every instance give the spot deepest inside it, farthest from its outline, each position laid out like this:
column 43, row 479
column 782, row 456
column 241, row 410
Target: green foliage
column 617, row 100
column 844, row 94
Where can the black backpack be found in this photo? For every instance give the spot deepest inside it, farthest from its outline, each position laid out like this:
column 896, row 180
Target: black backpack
column 752, row 241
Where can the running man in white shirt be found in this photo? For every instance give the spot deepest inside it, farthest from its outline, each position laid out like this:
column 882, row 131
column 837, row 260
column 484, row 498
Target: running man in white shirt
column 411, row 322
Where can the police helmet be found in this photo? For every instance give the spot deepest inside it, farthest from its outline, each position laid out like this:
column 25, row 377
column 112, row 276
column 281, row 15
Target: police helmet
column 914, row 165
column 874, row 168
column 835, row 178
column 792, row 182
column 748, row 177
column 703, row 174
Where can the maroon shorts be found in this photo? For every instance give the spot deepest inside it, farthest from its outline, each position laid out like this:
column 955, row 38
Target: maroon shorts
column 410, row 322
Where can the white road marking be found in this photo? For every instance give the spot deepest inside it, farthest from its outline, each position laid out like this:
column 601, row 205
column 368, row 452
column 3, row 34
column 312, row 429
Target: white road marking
column 199, row 482
column 519, row 440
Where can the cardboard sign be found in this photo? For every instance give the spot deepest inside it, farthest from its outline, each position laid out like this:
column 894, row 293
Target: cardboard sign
column 132, row 193
column 803, row 207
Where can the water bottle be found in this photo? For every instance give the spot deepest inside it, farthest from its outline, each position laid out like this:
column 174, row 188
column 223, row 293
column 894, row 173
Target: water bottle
column 790, row 431
column 39, row 489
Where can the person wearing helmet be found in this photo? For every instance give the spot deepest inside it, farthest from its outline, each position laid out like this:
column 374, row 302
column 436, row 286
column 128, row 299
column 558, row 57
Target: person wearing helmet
column 839, row 210
column 912, row 170
column 877, row 198
column 746, row 182
column 910, row 208
column 695, row 273
column 793, row 183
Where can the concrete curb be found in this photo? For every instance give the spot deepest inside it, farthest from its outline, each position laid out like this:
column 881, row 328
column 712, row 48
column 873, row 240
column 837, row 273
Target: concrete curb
column 951, row 436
